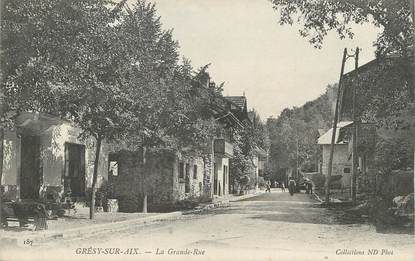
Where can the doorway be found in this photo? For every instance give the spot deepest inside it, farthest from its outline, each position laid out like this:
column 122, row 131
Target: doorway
column 31, row 168
column 215, row 179
column 225, row 175
column 74, row 178
column 187, row 179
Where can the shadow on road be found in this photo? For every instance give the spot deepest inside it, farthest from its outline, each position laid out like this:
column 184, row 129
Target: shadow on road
column 281, row 207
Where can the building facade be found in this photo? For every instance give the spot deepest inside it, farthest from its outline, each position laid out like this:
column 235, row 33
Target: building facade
column 164, row 177
column 45, row 152
column 342, row 160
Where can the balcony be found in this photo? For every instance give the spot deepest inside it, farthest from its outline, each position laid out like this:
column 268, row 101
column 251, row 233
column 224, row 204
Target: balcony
column 223, row 148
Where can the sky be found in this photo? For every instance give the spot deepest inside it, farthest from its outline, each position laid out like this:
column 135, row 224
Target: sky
column 253, row 55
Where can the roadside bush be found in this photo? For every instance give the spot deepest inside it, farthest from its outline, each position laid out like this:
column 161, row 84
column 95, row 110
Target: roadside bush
column 101, row 198
column 130, row 204
column 318, row 180
column 185, row 204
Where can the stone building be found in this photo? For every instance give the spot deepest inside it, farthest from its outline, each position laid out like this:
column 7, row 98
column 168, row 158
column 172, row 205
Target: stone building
column 168, row 177
column 45, row 152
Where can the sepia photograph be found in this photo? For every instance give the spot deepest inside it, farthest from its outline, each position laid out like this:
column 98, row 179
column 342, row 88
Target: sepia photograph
column 207, row 130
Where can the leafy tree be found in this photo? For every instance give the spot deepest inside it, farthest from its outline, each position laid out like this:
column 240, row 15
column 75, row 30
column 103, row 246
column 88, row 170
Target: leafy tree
column 168, row 102
column 293, row 134
column 69, row 59
column 320, row 17
column 385, row 87
column 247, row 141
column 144, row 96
column 92, row 93
column 242, row 165
column 393, row 16
column 166, row 99
column 109, row 68
column 259, row 132
column 22, row 70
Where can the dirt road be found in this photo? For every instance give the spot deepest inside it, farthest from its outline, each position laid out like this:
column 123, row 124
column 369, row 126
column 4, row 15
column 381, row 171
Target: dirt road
column 271, row 226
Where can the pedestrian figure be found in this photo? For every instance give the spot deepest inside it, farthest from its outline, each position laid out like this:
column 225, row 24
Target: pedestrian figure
column 282, row 187
column 309, row 186
column 291, row 186
column 275, row 184
column 268, row 185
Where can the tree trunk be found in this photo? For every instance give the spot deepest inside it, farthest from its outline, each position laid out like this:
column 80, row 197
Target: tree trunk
column 412, row 74
column 1, row 172
column 144, row 181
column 94, row 178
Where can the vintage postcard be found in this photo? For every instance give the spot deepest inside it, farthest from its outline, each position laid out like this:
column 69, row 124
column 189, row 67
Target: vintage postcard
column 207, row 130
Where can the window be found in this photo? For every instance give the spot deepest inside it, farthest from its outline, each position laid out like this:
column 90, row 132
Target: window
column 346, row 170
column 195, row 172
column 181, row 170
column 187, row 170
column 187, row 184
column 215, row 179
column 225, row 178
column 114, row 168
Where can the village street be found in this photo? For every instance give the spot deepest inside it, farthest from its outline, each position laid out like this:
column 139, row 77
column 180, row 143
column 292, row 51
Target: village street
column 160, row 129
column 270, row 226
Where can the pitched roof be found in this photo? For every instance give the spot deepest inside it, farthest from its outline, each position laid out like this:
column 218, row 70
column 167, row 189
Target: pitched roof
column 326, row 137
column 239, row 101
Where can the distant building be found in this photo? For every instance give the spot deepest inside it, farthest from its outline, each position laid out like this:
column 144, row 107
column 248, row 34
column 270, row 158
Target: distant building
column 342, row 162
column 342, row 155
column 238, row 106
column 258, row 161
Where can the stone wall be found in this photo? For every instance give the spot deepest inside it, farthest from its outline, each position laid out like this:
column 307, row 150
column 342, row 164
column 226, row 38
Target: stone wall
column 126, row 185
column 158, row 177
column 193, row 175
column 207, row 177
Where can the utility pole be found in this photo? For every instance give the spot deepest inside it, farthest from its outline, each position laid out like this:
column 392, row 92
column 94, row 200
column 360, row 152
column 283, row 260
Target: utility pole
column 412, row 4
column 296, row 171
column 355, row 128
column 333, row 136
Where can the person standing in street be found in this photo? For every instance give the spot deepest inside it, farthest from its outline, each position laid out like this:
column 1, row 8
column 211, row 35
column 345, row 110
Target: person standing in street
column 268, row 186
column 282, row 186
column 307, row 188
column 291, row 185
column 310, row 187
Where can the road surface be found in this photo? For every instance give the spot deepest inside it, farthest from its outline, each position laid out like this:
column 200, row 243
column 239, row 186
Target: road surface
column 271, row 226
